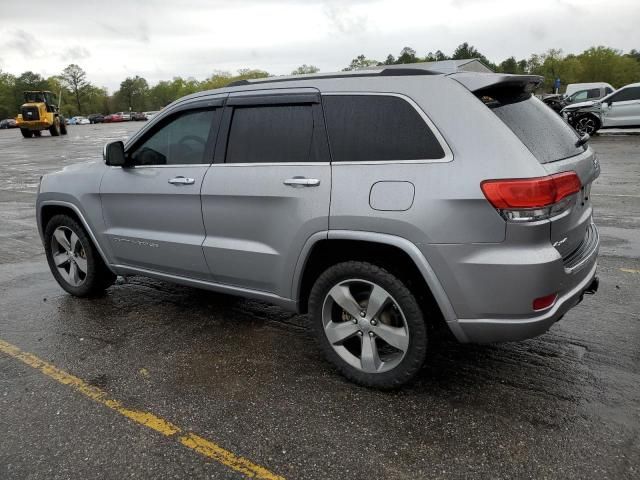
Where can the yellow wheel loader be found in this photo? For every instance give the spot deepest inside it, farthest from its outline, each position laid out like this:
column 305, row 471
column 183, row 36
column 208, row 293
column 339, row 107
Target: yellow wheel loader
column 39, row 112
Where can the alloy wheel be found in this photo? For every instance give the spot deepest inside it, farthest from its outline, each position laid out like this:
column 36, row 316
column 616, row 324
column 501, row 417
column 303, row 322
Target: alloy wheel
column 586, row 124
column 365, row 326
column 69, row 256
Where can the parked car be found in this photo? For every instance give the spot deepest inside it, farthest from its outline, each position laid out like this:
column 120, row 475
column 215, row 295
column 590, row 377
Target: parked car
column 70, row 121
column 618, row 109
column 96, row 118
column 114, row 117
column 139, row 116
column 126, row 116
column 603, row 87
column 79, row 120
column 151, row 114
column 345, row 200
column 8, row 123
column 558, row 102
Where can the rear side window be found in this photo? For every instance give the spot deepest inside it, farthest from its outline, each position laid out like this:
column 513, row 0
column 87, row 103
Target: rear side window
column 593, row 93
column 270, row 134
column 376, row 128
column 541, row 130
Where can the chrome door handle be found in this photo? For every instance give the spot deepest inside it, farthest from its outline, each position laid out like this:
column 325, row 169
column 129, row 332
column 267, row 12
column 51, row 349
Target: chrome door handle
column 302, row 182
column 182, row 181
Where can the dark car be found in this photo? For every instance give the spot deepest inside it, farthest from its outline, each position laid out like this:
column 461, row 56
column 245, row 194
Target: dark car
column 96, row 118
column 8, row 123
column 139, row 116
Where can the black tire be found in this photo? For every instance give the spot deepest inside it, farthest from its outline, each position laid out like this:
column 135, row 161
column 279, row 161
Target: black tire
column 26, row 133
column 97, row 278
column 586, row 123
column 415, row 354
column 54, row 129
column 63, row 126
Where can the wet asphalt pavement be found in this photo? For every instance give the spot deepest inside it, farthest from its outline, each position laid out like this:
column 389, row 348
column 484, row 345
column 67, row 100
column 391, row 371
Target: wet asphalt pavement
column 248, row 376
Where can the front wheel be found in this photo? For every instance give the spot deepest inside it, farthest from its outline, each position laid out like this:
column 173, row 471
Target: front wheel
column 74, row 261
column 588, row 123
column 368, row 324
column 63, row 127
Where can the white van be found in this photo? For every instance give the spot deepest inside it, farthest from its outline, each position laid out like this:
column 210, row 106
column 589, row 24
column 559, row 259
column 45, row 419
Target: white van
column 575, row 87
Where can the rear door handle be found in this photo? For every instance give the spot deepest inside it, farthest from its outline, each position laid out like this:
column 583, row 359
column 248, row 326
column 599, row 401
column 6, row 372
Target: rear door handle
column 302, row 182
column 182, row 181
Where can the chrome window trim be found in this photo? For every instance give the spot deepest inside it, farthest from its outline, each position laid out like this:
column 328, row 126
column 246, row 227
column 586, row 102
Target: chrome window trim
column 448, row 154
column 173, row 165
column 271, row 164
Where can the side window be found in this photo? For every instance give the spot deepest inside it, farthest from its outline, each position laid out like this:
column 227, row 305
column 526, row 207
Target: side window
column 607, row 90
column 376, row 128
column 180, row 140
column 632, row 93
column 593, row 93
column 579, row 96
column 270, row 134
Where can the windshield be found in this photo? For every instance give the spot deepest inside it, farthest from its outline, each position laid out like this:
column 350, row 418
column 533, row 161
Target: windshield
column 541, row 130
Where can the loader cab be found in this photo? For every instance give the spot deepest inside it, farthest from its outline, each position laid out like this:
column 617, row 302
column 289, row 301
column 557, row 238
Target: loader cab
column 46, row 97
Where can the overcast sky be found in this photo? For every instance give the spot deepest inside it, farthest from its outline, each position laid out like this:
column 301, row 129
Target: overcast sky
column 156, row 39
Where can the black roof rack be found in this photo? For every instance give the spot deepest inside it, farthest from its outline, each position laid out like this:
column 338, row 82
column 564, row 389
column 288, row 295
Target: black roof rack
column 386, row 72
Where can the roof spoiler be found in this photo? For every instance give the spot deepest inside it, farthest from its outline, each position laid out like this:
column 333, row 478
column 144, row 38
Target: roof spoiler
column 487, row 81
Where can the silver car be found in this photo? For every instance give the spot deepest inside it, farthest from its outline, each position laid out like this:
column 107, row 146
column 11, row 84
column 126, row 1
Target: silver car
column 619, row 109
column 381, row 202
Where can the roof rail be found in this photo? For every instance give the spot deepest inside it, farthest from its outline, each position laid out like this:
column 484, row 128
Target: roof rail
column 385, row 72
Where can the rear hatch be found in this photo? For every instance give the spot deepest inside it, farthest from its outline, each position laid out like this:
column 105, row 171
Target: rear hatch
column 552, row 142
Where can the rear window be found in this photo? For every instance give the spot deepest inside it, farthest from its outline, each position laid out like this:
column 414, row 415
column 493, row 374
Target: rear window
column 270, row 134
column 541, row 130
column 376, row 128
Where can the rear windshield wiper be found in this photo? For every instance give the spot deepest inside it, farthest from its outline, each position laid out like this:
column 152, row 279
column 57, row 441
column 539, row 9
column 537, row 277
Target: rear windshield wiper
column 582, row 140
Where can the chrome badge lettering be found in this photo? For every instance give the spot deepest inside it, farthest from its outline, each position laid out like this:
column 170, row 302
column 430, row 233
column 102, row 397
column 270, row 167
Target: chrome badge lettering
column 141, row 243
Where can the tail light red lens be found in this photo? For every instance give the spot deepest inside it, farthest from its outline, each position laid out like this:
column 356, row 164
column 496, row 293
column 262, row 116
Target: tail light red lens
column 530, row 192
column 545, row 302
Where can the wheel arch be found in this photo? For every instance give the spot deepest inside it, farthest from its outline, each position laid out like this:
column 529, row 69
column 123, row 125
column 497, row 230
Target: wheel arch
column 396, row 254
column 48, row 209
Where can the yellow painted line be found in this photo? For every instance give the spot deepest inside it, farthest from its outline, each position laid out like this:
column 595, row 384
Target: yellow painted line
column 629, row 270
column 190, row 440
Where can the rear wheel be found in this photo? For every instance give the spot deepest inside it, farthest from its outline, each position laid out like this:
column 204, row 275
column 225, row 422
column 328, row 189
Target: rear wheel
column 26, row 133
column 54, row 129
column 74, row 261
column 587, row 123
column 368, row 324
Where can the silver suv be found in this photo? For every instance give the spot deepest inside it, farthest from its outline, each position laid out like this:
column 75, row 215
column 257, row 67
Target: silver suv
column 381, row 202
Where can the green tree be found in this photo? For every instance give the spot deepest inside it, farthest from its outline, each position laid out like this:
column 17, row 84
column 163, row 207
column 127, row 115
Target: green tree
column 407, row 55
column 360, row 62
column 132, row 95
column 438, row 56
column 390, row 60
column 7, row 100
column 305, row 69
column 511, row 65
column 464, row 51
column 75, row 79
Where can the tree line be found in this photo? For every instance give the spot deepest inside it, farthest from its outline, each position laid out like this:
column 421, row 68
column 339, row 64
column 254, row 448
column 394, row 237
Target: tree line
column 80, row 96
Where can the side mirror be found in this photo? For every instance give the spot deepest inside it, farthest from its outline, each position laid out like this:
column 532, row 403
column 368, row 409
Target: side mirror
column 114, row 154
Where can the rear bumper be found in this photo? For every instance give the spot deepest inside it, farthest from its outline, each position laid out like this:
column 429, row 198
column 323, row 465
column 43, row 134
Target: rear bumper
column 507, row 330
column 34, row 124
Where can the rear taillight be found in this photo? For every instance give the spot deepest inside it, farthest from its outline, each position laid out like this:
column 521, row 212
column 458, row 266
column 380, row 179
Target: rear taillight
column 531, row 199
